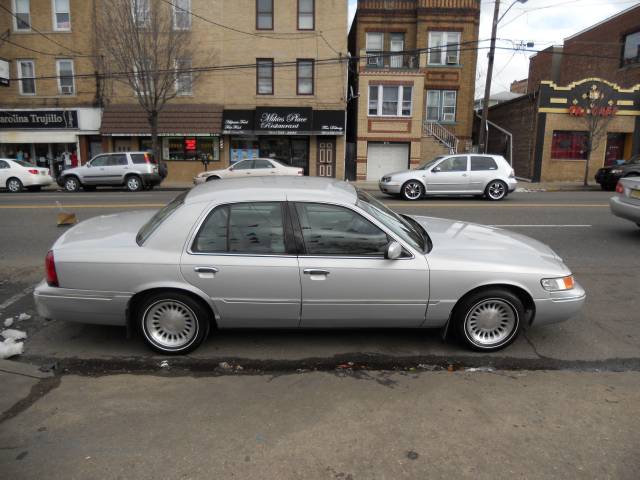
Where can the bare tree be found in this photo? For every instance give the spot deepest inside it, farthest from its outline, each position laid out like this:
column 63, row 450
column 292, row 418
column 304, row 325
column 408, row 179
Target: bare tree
column 596, row 112
column 146, row 45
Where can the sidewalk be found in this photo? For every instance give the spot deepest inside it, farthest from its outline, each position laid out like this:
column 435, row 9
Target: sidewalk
column 18, row 380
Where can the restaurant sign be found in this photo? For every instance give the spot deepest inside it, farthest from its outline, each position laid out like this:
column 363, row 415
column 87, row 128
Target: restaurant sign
column 283, row 121
column 38, row 119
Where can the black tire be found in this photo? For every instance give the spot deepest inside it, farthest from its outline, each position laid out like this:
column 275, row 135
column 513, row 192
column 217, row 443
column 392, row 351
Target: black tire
column 607, row 187
column 133, row 183
column 14, row 185
column 496, row 190
column 176, row 337
column 412, row 190
column 35, row 188
column 474, row 319
column 213, row 177
column 71, row 184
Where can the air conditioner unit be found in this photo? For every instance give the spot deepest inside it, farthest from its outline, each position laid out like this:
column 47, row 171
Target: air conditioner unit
column 448, row 117
column 66, row 89
column 452, row 59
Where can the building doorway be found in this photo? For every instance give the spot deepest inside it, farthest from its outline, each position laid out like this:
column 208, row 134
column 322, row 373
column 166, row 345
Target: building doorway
column 326, row 163
column 615, row 148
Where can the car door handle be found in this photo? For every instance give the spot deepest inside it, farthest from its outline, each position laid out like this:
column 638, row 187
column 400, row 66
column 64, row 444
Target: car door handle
column 464, row 174
column 315, row 271
column 205, row 269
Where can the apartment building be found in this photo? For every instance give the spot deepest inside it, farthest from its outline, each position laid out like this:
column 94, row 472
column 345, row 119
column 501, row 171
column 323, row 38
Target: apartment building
column 267, row 78
column 414, row 83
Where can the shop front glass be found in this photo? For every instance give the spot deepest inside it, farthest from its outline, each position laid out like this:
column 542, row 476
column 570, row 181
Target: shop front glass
column 289, row 150
column 203, row 149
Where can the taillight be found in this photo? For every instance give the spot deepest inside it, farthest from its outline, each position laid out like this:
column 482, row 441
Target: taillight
column 619, row 188
column 300, row 172
column 146, row 158
column 50, row 269
column 33, row 171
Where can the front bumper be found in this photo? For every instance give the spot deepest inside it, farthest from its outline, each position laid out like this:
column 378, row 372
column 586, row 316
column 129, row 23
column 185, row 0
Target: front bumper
column 560, row 306
column 624, row 210
column 392, row 188
column 199, row 180
column 84, row 306
column 607, row 178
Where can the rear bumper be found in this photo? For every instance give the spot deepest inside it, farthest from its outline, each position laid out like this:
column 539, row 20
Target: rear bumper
column 512, row 184
column 38, row 181
column 84, row 306
column 560, row 306
column 151, row 179
column 624, row 210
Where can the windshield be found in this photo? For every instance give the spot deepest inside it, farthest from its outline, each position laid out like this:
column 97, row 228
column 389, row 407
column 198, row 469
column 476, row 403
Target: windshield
column 159, row 217
column 429, row 163
column 24, row 164
column 406, row 228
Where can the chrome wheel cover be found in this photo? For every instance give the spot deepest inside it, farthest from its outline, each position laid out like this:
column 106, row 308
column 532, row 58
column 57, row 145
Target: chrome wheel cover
column 133, row 183
column 412, row 190
column 14, row 186
column 497, row 190
column 490, row 322
column 170, row 324
column 70, row 184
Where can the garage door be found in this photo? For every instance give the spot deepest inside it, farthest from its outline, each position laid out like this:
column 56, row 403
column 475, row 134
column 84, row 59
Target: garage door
column 383, row 159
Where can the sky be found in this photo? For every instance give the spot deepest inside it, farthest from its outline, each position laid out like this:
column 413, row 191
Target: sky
column 543, row 22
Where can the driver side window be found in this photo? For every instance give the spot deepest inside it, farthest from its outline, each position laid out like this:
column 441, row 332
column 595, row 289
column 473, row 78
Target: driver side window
column 100, row 161
column 334, row 230
column 454, row 164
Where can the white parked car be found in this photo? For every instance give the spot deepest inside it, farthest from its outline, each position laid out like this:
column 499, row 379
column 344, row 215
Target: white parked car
column 468, row 174
column 18, row 174
column 258, row 167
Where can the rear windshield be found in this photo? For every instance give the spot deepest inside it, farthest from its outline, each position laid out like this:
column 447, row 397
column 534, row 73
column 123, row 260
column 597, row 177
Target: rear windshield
column 159, row 217
column 24, row 164
column 140, row 158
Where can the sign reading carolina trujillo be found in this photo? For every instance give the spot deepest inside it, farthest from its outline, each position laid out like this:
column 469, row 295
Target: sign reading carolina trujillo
column 38, row 119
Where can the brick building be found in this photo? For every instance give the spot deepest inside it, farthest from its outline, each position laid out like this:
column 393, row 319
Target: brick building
column 412, row 105
column 284, row 103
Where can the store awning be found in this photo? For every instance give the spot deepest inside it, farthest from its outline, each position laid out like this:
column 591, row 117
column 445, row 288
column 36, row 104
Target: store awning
column 185, row 120
column 14, row 136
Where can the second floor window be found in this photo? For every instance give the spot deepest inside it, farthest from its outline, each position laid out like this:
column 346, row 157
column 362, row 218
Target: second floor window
column 26, row 74
column 181, row 14
column 264, row 74
column 264, row 14
column 22, row 18
column 444, row 48
column 305, row 77
column 390, row 100
column 65, row 77
column 61, row 15
column 631, row 53
column 375, row 44
column 441, row 105
column 184, row 77
column 306, row 17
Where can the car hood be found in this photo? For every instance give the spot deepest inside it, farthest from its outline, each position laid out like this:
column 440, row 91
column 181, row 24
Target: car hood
column 471, row 243
column 105, row 232
column 402, row 173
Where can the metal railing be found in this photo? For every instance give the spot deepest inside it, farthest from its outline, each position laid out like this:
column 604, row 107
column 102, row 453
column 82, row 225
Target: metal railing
column 434, row 129
column 392, row 60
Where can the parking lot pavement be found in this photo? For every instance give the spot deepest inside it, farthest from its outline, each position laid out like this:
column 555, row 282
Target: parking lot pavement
column 599, row 248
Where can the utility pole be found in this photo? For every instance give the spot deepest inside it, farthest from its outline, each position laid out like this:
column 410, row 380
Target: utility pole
column 483, row 137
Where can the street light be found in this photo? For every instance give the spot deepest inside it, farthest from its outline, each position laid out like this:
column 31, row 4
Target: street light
column 487, row 88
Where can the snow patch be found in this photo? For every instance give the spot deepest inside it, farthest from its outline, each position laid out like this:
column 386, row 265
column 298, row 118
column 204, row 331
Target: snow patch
column 10, row 348
column 23, row 316
column 8, row 322
column 11, row 334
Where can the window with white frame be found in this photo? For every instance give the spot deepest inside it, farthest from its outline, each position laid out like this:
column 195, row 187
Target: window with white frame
column 375, row 44
column 184, row 77
column 141, row 11
column 64, row 70
column 21, row 15
column 26, row 74
column 61, row 15
column 441, row 105
column 444, row 48
column 390, row 100
column 181, row 14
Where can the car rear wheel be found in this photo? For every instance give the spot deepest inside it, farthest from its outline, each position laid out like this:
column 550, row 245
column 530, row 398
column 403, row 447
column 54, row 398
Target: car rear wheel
column 14, row 185
column 412, row 190
column 173, row 323
column 71, row 184
column 489, row 320
column 133, row 183
column 496, row 190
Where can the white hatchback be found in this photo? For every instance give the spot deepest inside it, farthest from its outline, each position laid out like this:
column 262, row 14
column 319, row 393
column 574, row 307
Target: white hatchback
column 258, row 167
column 18, row 174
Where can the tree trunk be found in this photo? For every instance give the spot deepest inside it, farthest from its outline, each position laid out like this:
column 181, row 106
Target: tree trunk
column 153, row 123
column 585, row 182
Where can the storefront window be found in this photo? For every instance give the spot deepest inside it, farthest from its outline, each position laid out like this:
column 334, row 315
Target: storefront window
column 290, row 151
column 242, row 149
column 569, row 145
column 192, row 148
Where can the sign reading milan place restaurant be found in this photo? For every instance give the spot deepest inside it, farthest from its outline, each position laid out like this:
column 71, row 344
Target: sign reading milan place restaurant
column 283, row 121
column 38, row 119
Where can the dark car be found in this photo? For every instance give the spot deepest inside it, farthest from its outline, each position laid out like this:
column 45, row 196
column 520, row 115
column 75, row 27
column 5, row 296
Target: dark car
column 608, row 177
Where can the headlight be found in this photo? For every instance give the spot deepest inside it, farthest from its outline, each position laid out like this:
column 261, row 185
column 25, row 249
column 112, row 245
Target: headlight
column 557, row 284
column 615, row 171
column 386, row 179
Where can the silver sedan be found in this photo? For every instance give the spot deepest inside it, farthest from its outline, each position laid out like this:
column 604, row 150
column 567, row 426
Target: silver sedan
column 626, row 203
column 300, row 252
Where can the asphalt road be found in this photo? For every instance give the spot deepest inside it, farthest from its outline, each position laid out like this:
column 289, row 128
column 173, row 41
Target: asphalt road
column 601, row 250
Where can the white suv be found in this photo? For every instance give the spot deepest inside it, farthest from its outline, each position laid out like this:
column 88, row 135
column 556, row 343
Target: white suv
column 468, row 174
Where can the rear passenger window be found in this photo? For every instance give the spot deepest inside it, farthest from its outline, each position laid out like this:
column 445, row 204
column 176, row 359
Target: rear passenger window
column 483, row 163
column 117, row 160
column 3, row 164
column 251, row 228
column 138, row 158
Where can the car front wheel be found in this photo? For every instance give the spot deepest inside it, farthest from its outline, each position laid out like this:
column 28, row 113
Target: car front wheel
column 71, row 184
column 496, row 190
column 412, row 190
column 173, row 323
column 489, row 320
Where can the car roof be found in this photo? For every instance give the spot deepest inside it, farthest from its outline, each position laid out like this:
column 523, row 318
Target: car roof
column 277, row 188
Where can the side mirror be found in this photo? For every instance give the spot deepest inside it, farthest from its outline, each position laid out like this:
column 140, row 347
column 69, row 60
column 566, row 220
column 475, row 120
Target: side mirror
column 393, row 251
column 435, row 169
column 88, row 165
